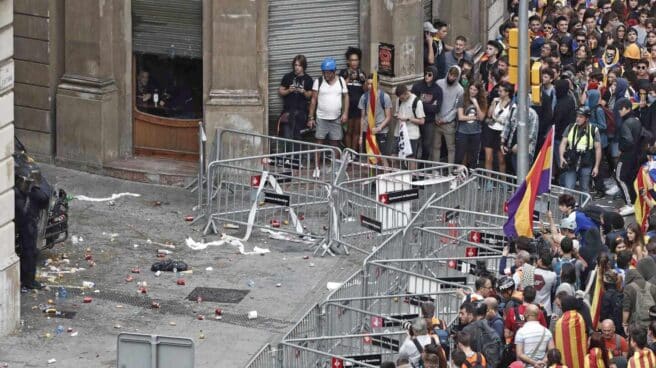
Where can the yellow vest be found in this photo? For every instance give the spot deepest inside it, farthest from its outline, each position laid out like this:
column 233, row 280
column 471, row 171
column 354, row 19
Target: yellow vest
column 584, row 143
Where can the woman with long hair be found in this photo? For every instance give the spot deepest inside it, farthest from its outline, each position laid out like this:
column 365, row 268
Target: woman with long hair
column 636, row 241
column 355, row 80
column 597, row 356
column 471, row 115
column 498, row 115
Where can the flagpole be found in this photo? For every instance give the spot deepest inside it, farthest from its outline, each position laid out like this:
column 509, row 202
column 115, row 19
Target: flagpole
column 522, row 96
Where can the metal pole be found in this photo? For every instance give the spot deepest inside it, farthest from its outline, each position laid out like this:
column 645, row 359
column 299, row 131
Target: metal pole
column 522, row 98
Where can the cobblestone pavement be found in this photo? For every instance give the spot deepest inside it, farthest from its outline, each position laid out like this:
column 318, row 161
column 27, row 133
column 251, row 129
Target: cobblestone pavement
column 116, row 234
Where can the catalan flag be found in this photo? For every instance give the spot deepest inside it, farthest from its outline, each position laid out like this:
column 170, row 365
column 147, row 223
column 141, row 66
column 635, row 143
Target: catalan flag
column 597, row 295
column 538, row 181
column 644, row 358
column 372, row 143
column 571, row 338
column 595, row 359
column 644, row 180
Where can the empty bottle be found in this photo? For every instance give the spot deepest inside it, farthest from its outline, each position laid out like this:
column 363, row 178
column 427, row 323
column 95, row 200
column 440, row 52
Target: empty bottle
column 59, row 330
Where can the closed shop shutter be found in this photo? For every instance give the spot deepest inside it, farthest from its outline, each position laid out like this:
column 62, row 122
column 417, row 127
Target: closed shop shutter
column 428, row 10
column 167, row 27
column 314, row 28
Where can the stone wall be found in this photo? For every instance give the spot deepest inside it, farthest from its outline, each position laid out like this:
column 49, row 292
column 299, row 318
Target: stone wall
column 9, row 270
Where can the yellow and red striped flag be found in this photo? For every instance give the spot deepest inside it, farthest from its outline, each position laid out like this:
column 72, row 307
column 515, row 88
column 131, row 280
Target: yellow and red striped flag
column 597, row 295
column 571, row 338
column 372, row 143
column 643, row 181
column 644, row 358
column 595, row 359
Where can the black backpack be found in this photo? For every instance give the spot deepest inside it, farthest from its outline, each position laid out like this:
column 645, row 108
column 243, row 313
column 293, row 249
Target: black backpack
column 341, row 85
column 491, row 344
column 477, row 364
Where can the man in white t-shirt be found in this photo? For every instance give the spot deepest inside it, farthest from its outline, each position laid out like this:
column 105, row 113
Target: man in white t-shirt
column 330, row 102
column 544, row 282
column 409, row 112
column 533, row 340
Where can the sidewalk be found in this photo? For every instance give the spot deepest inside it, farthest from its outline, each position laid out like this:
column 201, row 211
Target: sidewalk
column 116, row 235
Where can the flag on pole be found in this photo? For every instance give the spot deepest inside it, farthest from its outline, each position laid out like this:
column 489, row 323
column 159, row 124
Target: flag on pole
column 371, row 143
column 597, row 295
column 522, row 203
column 644, row 181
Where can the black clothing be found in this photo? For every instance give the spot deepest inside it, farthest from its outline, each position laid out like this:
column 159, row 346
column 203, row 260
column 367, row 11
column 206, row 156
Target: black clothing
column 355, row 80
column 564, row 113
column 296, row 101
column 430, row 97
column 629, row 140
column 27, row 207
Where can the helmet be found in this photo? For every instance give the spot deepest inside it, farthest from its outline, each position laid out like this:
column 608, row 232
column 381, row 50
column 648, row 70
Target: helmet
column 505, row 283
column 568, row 223
column 584, row 110
column 328, row 65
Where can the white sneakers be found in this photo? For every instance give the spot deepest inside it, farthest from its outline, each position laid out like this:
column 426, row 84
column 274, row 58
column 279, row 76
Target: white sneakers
column 614, row 189
column 627, row 210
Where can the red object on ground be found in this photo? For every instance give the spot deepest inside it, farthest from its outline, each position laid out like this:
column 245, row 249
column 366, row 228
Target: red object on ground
column 200, row 317
column 306, row 257
column 218, row 311
column 180, row 282
column 129, row 278
column 142, row 290
column 275, row 223
column 88, row 257
column 136, row 270
column 87, row 299
column 189, row 218
column 155, row 305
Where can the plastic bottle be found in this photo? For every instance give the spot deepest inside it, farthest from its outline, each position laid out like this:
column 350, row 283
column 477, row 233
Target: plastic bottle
column 59, row 330
column 250, row 283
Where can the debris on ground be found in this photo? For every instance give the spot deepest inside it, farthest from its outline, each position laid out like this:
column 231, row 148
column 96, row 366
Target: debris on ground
column 52, row 361
column 333, row 285
column 252, row 315
column 113, row 197
column 169, row 265
column 225, row 239
column 279, row 235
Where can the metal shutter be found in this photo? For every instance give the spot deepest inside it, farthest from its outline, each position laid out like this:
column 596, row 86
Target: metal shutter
column 314, row 28
column 167, row 27
column 428, row 10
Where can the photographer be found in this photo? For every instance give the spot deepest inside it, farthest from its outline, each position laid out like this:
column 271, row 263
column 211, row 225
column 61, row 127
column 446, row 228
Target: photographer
column 296, row 90
column 580, row 151
column 30, row 200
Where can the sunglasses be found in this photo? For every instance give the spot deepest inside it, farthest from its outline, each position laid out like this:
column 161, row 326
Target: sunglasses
column 429, row 74
column 642, row 67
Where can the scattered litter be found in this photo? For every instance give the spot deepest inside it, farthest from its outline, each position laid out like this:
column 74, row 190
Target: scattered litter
column 181, row 282
column 114, row 197
column 96, row 291
column 69, row 330
column 306, row 257
column 279, row 235
column 52, row 361
column 250, row 283
column 202, row 335
column 142, row 284
column 119, row 305
column 111, row 203
column 200, row 317
column 199, row 299
column 129, row 278
column 136, row 270
column 87, row 299
column 59, row 330
column 218, row 311
column 188, row 272
column 209, row 269
column 164, row 251
column 158, row 273
column 225, row 239
column 218, row 318
column 117, row 326
column 311, row 264
column 278, row 285
column 88, row 284
column 172, row 323
column 142, row 290
column 275, row 223
column 155, row 305
column 252, row 315
column 231, row 226
column 169, row 266
column 285, row 222
column 333, row 285
column 76, row 239
column 135, row 245
column 73, row 334
column 189, row 218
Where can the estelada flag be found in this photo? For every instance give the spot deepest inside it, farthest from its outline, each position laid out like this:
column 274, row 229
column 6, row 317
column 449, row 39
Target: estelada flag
column 597, row 295
column 644, row 181
column 371, row 143
column 571, row 338
column 522, row 203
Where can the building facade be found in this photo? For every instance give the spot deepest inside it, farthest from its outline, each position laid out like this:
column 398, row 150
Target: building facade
column 88, row 71
column 9, row 267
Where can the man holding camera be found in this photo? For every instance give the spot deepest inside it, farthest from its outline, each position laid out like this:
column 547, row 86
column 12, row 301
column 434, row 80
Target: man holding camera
column 296, row 90
column 580, row 151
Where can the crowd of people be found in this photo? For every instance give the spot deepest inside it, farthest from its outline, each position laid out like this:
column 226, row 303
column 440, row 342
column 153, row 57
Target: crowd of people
column 581, row 294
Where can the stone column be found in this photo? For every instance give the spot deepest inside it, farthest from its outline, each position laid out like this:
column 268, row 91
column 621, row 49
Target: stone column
column 87, row 97
column 9, row 270
column 235, row 64
column 395, row 22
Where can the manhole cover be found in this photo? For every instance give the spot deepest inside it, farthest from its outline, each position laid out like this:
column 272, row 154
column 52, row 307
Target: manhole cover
column 218, row 295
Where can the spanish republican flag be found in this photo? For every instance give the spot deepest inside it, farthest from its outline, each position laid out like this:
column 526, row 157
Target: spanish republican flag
column 644, row 180
column 571, row 338
column 538, row 181
column 597, row 295
column 372, row 143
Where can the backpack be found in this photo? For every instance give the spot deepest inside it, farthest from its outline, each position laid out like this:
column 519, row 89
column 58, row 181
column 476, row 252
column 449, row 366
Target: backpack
column 420, row 349
column 611, row 126
column 477, row 364
column 491, row 344
column 341, row 84
column 644, row 301
column 381, row 98
column 594, row 213
column 615, row 313
column 441, row 330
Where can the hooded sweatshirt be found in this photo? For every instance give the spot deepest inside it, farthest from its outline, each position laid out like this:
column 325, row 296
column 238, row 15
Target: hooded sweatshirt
column 621, row 89
column 430, row 96
column 565, row 111
column 598, row 117
column 630, row 299
column 629, row 138
column 647, row 269
column 452, row 94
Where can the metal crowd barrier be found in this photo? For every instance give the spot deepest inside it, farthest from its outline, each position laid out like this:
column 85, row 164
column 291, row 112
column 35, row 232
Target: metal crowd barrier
column 264, row 358
column 275, row 192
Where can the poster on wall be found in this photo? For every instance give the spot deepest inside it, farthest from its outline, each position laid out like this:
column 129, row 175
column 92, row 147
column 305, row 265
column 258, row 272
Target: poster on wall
column 386, row 59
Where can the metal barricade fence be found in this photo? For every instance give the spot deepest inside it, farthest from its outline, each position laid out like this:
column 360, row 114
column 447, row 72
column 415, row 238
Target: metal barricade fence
column 264, row 358
column 273, row 192
column 357, row 350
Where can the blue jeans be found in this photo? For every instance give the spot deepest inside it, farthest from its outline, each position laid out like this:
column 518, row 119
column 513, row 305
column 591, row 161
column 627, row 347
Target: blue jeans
column 583, row 175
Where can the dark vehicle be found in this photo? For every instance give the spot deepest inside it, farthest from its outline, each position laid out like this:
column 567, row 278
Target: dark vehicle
column 53, row 221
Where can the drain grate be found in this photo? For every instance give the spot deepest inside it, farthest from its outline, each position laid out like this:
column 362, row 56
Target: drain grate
column 218, row 295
